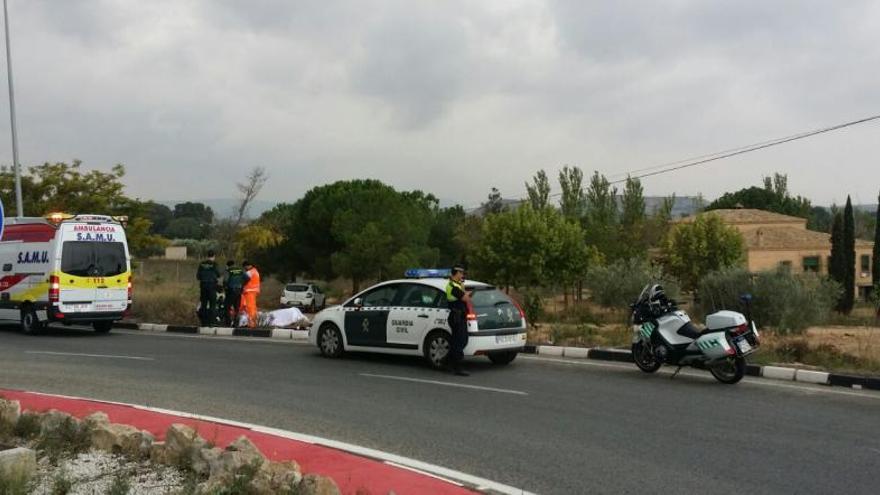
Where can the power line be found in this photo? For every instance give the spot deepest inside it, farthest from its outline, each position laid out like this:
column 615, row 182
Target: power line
column 755, row 147
column 720, row 155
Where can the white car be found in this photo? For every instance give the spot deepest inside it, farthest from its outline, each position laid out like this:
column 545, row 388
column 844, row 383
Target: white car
column 305, row 295
column 409, row 316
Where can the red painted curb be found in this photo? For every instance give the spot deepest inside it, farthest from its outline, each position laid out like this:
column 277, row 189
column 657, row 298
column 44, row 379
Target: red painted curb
column 354, row 474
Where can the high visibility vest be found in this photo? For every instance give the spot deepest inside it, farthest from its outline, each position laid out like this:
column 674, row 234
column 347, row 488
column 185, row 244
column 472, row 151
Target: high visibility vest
column 253, row 285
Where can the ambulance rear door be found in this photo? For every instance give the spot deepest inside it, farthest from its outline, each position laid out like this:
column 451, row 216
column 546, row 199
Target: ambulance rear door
column 94, row 268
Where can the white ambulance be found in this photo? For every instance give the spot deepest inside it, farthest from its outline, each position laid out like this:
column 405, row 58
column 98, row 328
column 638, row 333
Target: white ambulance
column 71, row 269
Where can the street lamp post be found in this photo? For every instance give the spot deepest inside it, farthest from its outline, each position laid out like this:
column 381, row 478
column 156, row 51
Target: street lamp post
column 19, row 209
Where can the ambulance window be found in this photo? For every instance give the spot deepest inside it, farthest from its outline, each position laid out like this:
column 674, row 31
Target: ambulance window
column 93, row 259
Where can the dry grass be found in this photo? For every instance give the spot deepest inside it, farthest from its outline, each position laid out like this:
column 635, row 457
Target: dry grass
column 166, row 291
column 580, row 335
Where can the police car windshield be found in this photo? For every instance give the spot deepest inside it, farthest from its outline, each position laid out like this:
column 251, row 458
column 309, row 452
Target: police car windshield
column 93, row 259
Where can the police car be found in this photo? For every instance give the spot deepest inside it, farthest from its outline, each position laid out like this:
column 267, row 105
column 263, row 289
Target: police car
column 409, row 316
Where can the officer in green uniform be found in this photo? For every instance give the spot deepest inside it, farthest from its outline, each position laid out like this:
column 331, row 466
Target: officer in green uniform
column 233, row 285
column 208, row 276
column 457, row 298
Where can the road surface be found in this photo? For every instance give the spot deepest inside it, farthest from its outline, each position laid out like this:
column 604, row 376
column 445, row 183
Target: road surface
column 546, row 426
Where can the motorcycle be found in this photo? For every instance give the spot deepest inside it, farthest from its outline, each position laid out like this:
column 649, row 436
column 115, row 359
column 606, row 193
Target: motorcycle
column 664, row 334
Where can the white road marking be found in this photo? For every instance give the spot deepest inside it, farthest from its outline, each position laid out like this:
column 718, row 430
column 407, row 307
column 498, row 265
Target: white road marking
column 445, row 384
column 764, row 382
column 106, row 356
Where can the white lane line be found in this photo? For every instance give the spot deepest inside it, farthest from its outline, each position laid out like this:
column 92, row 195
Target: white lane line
column 763, row 382
column 445, row 384
column 106, row 356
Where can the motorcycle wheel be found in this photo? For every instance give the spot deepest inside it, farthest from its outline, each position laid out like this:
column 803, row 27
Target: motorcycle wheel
column 730, row 370
column 644, row 358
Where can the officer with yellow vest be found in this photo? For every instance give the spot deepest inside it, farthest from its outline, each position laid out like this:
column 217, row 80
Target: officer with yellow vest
column 458, row 299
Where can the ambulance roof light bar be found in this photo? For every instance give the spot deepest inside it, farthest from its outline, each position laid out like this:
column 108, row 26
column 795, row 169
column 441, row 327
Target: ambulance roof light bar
column 428, row 273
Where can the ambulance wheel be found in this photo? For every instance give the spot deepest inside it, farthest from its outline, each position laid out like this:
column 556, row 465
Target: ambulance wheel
column 502, row 358
column 437, row 346
column 102, row 326
column 30, row 323
column 330, row 341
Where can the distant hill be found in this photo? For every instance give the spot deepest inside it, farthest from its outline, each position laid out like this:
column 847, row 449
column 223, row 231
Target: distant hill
column 224, row 207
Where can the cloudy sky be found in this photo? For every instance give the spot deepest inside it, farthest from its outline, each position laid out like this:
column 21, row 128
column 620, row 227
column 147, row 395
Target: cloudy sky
column 450, row 96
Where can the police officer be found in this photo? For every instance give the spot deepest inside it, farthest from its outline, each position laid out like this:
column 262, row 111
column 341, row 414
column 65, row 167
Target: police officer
column 208, row 276
column 457, row 298
column 233, row 285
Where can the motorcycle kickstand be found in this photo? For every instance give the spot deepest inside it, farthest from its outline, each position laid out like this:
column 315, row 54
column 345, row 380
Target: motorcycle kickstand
column 676, row 372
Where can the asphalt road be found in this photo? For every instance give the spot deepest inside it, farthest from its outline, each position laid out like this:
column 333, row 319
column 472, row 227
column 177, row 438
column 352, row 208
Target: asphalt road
column 546, row 426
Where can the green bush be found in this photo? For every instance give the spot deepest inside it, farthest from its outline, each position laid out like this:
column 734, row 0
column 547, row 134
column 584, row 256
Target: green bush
column 533, row 306
column 618, row 284
column 789, row 303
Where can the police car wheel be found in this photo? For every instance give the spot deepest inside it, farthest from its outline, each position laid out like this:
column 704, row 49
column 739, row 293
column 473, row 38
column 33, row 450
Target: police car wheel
column 502, row 358
column 437, row 347
column 30, row 323
column 330, row 341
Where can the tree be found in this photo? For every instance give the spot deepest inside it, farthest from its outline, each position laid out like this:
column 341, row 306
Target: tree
column 657, row 226
column 573, row 201
column 875, row 259
column 53, row 187
column 849, row 246
column 632, row 220
column 534, row 248
column 198, row 211
column 539, row 191
column 494, row 203
column 443, row 235
column 600, row 220
column 185, row 228
column 837, row 264
column 692, row 250
column 227, row 232
column 820, row 219
column 249, row 190
column 159, row 215
column 354, row 229
column 774, row 196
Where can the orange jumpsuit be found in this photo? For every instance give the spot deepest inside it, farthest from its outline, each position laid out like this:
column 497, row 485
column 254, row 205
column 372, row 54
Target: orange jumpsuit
column 249, row 296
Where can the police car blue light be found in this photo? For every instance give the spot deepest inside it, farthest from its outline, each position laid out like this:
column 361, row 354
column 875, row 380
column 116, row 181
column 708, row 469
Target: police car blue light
column 427, row 273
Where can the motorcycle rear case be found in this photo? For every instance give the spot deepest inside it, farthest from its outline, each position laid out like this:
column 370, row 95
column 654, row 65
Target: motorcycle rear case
column 712, row 345
column 724, row 319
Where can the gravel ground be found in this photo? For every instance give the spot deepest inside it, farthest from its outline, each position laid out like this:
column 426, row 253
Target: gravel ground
column 95, row 473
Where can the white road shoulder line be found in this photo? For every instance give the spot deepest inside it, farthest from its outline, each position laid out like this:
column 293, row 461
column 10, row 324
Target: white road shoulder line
column 105, row 356
column 437, row 471
column 445, row 384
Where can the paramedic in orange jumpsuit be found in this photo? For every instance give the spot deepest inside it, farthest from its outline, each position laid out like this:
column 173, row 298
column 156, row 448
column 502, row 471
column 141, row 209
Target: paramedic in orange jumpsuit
column 249, row 293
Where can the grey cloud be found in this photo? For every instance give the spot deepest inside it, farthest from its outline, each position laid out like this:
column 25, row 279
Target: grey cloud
column 415, row 62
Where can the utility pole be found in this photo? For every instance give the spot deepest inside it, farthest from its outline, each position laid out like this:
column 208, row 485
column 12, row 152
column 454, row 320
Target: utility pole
column 19, row 209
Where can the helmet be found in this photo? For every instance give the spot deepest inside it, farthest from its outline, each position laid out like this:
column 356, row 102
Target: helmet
column 657, row 300
column 656, row 294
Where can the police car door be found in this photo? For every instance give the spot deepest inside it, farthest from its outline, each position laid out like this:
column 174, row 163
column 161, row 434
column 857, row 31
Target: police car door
column 415, row 311
column 366, row 323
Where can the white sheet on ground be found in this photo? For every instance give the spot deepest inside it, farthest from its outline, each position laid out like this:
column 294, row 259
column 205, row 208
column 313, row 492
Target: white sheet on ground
column 287, row 317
